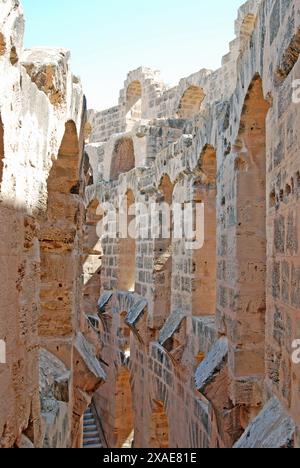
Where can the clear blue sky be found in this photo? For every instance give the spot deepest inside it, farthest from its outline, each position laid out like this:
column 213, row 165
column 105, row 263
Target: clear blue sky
column 108, row 38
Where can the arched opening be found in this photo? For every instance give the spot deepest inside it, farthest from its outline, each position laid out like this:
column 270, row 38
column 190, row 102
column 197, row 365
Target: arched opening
column 204, row 259
column 163, row 253
column 92, row 259
column 134, row 100
column 123, row 158
column 251, row 243
column 1, row 150
column 159, row 435
column 190, row 103
column 127, row 246
column 59, row 253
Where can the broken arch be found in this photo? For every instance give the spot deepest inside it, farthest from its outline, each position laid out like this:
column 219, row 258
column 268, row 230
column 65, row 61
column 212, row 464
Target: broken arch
column 190, row 103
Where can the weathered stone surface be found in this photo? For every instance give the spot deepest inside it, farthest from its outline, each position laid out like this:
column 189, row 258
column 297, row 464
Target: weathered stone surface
column 272, row 429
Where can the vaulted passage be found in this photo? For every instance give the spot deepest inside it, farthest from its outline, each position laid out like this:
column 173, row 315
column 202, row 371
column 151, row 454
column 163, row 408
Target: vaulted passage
column 123, row 158
column 190, row 103
column 204, row 258
column 58, row 240
column 250, row 167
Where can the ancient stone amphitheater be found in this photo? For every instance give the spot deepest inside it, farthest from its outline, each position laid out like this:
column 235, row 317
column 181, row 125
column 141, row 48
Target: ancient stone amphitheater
column 145, row 341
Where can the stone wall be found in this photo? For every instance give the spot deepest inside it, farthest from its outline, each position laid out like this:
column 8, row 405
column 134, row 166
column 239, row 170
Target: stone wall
column 211, row 331
column 51, row 370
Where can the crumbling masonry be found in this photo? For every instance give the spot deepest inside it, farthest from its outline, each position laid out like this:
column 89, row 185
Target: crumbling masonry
column 176, row 347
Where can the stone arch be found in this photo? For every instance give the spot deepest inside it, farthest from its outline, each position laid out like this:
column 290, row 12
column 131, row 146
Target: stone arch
column 127, row 247
column 159, row 430
column 163, row 253
column 133, row 97
column 250, row 234
column 204, row 259
column 1, row 150
column 60, row 258
column 190, row 103
column 92, row 258
column 123, row 158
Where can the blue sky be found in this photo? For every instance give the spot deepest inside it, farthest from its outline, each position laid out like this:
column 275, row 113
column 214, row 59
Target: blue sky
column 108, row 38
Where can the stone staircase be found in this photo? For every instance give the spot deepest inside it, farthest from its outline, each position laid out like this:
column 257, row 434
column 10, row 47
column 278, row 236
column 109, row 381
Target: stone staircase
column 91, row 436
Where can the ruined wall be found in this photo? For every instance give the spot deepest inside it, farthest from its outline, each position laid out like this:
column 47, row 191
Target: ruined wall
column 211, row 331
column 51, row 370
